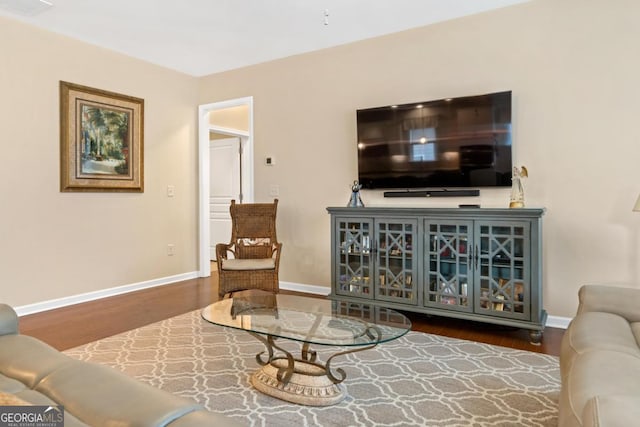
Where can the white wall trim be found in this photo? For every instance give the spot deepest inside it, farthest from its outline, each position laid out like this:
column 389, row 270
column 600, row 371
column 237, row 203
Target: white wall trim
column 558, row 322
column 309, row 289
column 103, row 293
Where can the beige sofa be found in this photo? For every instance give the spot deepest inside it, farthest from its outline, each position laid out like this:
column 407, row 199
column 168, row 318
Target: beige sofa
column 92, row 395
column 600, row 360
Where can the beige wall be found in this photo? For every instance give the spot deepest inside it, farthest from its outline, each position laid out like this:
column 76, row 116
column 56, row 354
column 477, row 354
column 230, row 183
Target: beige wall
column 231, row 118
column 62, row 244
column 573, row 69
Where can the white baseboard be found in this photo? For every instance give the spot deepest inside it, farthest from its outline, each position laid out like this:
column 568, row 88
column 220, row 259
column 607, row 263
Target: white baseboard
column 558, row 322
column 309, row 289
column 103, row 293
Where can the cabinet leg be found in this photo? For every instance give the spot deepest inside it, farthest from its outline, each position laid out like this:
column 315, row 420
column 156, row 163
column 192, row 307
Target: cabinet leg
column 535, row 337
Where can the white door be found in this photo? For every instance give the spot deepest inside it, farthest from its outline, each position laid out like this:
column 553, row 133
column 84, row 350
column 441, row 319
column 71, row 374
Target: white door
column 224, row 185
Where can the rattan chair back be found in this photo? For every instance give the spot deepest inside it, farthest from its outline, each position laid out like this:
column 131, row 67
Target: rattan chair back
column 253, row 229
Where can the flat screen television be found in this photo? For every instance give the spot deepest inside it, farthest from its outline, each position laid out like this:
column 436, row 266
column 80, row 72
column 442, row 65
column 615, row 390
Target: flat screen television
column 455, row 142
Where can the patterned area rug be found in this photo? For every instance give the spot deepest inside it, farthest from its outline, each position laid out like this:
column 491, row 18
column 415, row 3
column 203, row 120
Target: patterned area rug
column 417, row 380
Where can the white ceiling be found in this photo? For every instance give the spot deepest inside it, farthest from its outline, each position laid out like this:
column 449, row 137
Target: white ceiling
column 200, row 37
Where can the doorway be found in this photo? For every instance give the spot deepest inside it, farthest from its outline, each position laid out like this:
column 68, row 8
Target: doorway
column 211, row 197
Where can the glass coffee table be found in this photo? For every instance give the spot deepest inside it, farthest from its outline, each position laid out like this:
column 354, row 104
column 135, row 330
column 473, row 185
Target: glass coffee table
column 350, row 327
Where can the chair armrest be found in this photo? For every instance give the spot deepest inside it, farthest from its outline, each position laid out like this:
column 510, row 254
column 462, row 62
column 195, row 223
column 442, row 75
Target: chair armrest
column 277, row 249
column 8, row 320
column 222, row 249
column 624, row 302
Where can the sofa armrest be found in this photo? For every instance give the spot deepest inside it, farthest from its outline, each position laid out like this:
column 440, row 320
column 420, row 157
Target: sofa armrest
column 603, row 411
column 8, row 320
column 624, row 302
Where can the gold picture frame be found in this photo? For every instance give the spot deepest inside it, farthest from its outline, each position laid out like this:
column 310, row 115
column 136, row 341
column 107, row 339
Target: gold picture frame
column 101, row 140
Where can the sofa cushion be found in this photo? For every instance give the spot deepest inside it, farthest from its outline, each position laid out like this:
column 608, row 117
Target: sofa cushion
column 30, row 397
column 249, row 264
column 27, row 359
column 9, row 385
column 98, row 395
column 597, row 331
column 597, row 373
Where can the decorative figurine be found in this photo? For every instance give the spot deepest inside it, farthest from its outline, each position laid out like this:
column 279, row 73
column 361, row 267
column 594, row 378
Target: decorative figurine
column 355, row 201
column 517, row 190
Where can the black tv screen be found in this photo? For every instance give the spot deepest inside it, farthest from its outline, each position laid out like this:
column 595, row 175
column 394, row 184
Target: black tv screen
column 454, row 142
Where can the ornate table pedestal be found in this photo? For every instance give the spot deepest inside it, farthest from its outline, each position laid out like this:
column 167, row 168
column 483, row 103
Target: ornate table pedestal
column 308, row 384
column 305, row 380
column 344, row 326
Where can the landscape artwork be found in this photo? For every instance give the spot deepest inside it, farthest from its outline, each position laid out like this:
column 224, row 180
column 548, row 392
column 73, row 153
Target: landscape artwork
column 101, row 140
column 105, row 139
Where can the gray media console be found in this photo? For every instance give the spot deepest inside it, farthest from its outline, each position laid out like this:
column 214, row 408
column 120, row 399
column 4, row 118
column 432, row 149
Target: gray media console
column 471, row 263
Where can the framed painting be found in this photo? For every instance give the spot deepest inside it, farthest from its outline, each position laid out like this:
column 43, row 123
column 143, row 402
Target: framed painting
column 101, row 140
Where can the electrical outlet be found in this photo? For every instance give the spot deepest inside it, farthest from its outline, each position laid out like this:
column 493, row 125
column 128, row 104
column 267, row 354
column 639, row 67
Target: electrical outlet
column 171, row 249
column 171, row 190
column 274, row 190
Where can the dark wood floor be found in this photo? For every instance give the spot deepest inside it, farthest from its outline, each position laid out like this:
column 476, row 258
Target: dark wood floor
column 79, row 324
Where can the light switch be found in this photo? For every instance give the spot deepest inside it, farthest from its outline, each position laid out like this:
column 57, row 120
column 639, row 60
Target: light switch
column 269, row 161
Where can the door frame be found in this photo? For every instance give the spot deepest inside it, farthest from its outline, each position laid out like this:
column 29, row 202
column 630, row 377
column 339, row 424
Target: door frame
column 246, row 139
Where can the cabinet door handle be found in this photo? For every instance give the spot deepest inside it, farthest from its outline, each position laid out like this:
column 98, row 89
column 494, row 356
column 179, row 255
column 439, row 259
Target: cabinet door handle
column 475, row 257
column 469, row 256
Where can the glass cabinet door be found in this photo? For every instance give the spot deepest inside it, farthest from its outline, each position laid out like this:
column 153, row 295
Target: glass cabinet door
column 354, row 257
column 395, row 265
column 448, row 265
column 503, row 269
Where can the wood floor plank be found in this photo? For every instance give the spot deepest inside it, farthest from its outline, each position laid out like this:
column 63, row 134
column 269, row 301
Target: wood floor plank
column 80, row 324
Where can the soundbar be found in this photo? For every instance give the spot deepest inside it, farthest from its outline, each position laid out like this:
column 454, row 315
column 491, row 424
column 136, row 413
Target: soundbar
column 432, row 193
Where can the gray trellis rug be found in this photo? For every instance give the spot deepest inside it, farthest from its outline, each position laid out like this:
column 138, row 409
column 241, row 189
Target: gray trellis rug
column 417, row 380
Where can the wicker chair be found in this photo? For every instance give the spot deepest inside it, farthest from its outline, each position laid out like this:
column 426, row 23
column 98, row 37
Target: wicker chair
column 252, row 258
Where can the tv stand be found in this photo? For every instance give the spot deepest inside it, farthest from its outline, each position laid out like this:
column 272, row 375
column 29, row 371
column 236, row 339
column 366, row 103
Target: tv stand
column 433, row 193
column 482, row 264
